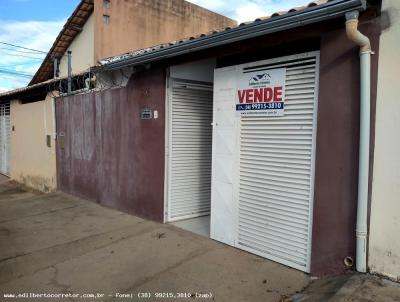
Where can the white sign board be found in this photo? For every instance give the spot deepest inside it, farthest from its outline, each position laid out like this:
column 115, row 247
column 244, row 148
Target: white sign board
column 261, row 92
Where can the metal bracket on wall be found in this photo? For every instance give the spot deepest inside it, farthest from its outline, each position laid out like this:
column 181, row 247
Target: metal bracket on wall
column 48, row 140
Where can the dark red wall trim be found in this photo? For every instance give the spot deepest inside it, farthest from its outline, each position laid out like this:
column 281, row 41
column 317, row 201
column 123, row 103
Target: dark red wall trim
column 336, row 175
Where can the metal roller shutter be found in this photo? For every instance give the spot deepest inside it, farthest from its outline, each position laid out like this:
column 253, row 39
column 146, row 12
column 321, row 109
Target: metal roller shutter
column 190, row 138
column 275, row 191
column 4, row 138
column 275, row 155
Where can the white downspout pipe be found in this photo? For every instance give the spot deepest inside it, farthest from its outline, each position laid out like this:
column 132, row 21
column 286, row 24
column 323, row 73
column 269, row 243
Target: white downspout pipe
column 363, row 170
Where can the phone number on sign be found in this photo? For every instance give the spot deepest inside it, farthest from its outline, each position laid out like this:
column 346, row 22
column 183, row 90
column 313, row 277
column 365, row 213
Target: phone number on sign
column 260, row 106
column 175, row 295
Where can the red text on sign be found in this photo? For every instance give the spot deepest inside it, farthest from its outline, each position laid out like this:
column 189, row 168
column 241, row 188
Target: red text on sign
column 260, row 95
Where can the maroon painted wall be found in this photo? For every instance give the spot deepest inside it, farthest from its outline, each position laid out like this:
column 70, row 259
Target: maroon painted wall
column 110, row 155
column 336, row 175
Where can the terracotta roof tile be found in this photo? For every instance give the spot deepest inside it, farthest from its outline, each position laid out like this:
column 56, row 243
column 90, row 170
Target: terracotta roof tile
column 172, row 43
column 64, row 39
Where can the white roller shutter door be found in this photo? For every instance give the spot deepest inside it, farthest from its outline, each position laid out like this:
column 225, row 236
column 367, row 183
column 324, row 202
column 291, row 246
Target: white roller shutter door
column 190, row 138
column 274, row 182
column 4, row 138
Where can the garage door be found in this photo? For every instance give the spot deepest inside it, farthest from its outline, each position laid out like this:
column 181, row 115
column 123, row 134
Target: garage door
column 263, row 163
column 4, row 138
column 189, row 164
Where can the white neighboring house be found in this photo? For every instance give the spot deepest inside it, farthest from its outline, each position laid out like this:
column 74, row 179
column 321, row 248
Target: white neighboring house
column 384, row 244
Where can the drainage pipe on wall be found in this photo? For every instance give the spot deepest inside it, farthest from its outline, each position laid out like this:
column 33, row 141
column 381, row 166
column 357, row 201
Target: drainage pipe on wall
column 363, row 170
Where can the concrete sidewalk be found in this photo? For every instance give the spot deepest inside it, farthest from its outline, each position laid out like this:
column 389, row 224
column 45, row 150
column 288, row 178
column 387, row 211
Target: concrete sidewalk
column 59, row 244
column 350, row 287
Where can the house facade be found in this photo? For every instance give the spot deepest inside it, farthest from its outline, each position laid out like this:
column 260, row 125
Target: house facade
column 96, row 29
column 253, row 132
column 271, row 137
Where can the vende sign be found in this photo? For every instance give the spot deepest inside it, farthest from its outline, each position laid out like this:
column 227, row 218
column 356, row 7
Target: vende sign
column 261, row 92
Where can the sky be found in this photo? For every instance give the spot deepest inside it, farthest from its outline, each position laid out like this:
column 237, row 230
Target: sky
column 35, row 24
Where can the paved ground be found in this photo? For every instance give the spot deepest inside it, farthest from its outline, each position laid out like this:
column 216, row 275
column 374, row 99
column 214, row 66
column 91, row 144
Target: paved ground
column 63, row 245
column 58, row 244
column 350, row 288
column 3, row 178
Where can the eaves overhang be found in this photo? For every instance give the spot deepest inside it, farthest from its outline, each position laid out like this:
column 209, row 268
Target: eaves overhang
column 68, row 33
column 292, row 19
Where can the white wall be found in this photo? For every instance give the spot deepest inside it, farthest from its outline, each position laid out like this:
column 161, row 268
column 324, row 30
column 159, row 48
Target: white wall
column 82, row 50
column 113, row 79
column 32, row 162
column 202, row 70
column 384, row 244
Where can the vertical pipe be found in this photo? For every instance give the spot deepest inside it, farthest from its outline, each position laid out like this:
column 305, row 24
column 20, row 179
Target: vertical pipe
column 69, row 89
column 363, row 169
column 53, row 109
column 45, row 117
column 55, row 67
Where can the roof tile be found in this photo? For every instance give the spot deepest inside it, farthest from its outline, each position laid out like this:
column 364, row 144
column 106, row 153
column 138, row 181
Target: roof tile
column 172, row 43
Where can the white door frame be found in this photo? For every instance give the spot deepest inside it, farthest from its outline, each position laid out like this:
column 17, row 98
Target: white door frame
column 5, row 137
column 168, row 146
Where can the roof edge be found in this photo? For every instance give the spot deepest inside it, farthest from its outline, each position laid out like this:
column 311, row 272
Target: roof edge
column 66, row 26
column 330, row 10
column 16, row 93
